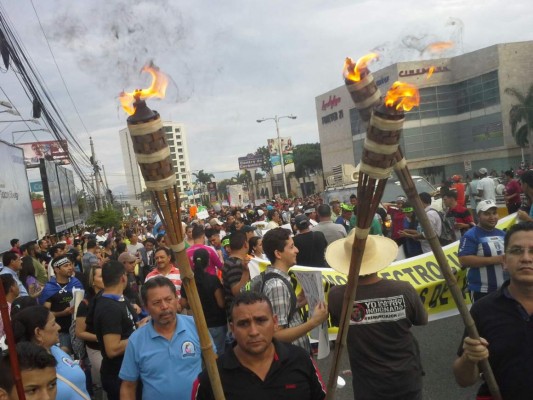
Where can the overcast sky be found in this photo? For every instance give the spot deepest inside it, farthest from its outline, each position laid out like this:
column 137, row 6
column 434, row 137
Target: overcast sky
column 231, row 62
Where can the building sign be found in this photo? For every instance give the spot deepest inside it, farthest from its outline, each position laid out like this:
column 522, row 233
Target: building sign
column 332, row 102
column 382, row 81
column 51, row 150
column 212, row 190
column 332, row 117
column 422, row 71
column 251, row 161
column 36, row 187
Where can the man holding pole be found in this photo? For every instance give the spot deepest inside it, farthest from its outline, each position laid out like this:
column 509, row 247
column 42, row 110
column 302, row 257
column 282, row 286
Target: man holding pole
column 504, row 321
column 384, row 354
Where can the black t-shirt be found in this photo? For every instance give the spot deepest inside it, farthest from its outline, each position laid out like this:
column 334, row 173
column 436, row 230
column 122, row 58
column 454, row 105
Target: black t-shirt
column 58, row 302
column 112, row 317
column 384, row 355
column 311, row 249
column 214, row 315
column 131, row 293
column 86, row 309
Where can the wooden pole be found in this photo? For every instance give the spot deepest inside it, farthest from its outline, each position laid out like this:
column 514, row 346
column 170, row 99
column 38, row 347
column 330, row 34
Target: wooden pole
column 409, row 187
column 153, row 155
column 10, row 339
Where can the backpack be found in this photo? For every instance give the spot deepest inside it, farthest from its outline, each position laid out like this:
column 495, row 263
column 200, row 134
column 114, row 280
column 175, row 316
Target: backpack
column 257, row 284
column 447, row 234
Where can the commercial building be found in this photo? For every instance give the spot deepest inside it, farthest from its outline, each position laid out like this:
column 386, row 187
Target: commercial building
column 462, row 123
column 177, row 141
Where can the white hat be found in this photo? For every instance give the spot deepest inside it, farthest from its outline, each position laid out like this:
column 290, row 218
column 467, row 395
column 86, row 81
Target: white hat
column 215, row 221
column 485, row 205
column 260, row 212
column 379, row 253
column 483, row 171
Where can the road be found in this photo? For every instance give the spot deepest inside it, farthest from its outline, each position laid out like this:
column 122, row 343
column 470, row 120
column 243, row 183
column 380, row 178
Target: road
column 438, row 341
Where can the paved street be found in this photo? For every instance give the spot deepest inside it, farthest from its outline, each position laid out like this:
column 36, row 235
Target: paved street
column 438, row 341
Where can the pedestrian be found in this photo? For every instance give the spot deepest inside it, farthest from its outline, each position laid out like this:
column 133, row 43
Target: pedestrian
column 325, row 225
column 164, row 354
column 503, row 320
column 260, row 366
column 311, row 245
column 12, row 264
column 512, row 193
column 384, row 355
column 486, row 189
column 481, row 251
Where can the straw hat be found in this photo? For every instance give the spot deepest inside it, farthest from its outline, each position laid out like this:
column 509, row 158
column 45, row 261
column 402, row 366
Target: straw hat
column 380, row 252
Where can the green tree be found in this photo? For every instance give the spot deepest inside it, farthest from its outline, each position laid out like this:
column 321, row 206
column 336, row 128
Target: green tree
column 307, row 159
column 267, row 166
column 222, row 187
column 106, row 218
column 203, row 177
column 521, row 117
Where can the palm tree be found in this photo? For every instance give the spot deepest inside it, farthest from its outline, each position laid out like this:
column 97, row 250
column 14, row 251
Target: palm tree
column 521, row 117
column 203, row 177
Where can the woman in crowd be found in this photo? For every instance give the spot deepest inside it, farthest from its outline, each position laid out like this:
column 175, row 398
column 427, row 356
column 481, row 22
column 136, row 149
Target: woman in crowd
column 212, row 298
column 37, row 324
column 189, row 241
column 29, row 280
column 85, row 328
column 259, row 261
column 107, row 250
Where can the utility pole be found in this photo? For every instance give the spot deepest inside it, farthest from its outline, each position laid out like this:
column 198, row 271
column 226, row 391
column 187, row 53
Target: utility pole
column 97, row 177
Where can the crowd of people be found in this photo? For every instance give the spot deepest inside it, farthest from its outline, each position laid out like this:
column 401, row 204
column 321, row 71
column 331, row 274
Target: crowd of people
column 103, row 313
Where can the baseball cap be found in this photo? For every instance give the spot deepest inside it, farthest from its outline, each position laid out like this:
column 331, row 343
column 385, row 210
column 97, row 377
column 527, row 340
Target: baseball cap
column 260, row 213
column 215, row 221
column 309, row 210
column 483, row 171
column 247, row 228
column 301, row 221
column 126, row 257
column 401, row 198
column 485, row 205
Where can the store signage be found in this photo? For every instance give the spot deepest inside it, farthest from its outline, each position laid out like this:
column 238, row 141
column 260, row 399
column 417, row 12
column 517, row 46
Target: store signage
column 422, row 71
column 333, row 101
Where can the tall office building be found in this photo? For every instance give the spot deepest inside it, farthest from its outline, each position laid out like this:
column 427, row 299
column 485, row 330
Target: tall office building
column 462, row 123
column 177, row 141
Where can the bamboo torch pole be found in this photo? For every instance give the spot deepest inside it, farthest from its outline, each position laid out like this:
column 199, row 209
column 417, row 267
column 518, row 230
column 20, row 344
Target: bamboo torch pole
column 10, row 339
column 153, row 155
column 409, row 188
column 380, row 147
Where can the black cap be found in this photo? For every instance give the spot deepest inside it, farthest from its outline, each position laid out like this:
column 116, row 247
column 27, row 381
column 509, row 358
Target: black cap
column 301, row 221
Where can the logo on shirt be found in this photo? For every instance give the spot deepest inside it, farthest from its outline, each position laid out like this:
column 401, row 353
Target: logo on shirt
column 188, row 350
column 68, row 361
column 385, row 309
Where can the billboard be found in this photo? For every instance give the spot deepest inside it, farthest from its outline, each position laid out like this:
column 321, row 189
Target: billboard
column 15, row 201
column 274, row 146
column 51, row 150
column 60, row 196
column 251, row 161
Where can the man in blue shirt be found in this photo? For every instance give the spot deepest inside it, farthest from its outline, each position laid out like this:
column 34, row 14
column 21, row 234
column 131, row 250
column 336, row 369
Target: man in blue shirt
column 481, row 251
column 12, row 265
column 165, row 353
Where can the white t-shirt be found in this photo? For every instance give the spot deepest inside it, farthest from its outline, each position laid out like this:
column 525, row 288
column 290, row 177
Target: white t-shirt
column 487, row 186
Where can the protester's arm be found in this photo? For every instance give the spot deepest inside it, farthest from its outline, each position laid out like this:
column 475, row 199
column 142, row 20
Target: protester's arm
column 67, row 311
column 219, row 297
column 114, row 345
column 245, row 277
column 473, row 261
column 81, row 330
column 465, row 367
column 127, row 390
column 289, row 335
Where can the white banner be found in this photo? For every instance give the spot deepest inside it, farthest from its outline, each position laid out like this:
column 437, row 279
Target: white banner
column 16, row 214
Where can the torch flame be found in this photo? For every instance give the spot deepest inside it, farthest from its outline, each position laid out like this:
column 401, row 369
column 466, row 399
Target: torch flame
column 438, row 47
column 156, row 89
column 430, row 71
column 353, row 71
column 402, row 95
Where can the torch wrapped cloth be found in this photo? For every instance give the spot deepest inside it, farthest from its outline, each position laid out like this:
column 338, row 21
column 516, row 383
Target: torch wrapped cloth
column 153, row 155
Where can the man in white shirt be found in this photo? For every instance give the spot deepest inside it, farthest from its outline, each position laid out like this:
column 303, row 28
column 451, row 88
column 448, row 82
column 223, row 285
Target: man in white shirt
column 434, row 219
column 485, row 187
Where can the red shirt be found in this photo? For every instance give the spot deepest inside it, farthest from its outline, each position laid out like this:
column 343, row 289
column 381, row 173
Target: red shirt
column 397, row 217
column 214, row 260
column 460, row 189
column 513, row 187
column 173, row 275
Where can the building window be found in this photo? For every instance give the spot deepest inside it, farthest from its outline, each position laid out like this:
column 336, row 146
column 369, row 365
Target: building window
column 180, row 150
column 177, row 130
column 172, row 149
column 173, row 156
column 181, row 156
column 182, row 162
column 179, row 143
column 167, row 128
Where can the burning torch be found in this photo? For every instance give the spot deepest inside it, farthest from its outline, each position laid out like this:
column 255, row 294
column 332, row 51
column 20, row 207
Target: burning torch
column 381, row 155
column 153, row 155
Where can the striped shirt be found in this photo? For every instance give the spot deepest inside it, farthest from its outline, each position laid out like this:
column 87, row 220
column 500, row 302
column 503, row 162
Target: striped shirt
column 479, row 242
column 279, row 296
column 173, row 275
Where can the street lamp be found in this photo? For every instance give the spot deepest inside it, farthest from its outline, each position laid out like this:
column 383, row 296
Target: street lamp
column 27, row 130
column 11, row 111
column 280, row 150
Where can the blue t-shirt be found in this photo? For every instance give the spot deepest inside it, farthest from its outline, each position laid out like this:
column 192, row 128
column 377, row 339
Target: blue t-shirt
column 167, row 368
column 71, row 370
column 479, row 242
